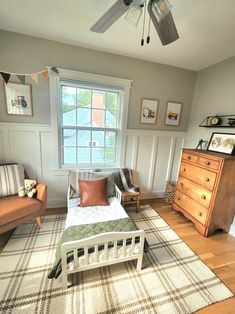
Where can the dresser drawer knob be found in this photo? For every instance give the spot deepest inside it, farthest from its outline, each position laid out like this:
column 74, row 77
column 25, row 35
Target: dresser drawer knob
column 184, row 169
column 200, row 214
column 181, row 184
column 203, row 196
column 207, row 179
column 208, row 163
column 178, row 198
column 189, row 157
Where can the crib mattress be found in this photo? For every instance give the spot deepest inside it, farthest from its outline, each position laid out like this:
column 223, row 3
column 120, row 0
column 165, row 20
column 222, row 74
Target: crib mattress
column 92, row 214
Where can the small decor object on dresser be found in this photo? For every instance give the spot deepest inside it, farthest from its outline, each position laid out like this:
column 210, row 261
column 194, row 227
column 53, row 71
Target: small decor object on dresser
column 173, row 113
column 19, row 99
column 148, row 113
column 222, row 143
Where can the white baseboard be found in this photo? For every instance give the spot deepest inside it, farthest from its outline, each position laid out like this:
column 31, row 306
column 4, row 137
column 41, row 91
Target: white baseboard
column 155, row 194
column 56, row 202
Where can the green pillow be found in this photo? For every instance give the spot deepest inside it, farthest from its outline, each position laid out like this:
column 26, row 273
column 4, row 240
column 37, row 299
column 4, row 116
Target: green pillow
column 110, row 176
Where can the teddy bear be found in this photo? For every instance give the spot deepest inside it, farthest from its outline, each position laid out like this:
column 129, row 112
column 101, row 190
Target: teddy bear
column 28, row 188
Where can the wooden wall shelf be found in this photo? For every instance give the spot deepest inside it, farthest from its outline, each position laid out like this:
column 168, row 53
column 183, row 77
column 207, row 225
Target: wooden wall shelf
column 225, row 121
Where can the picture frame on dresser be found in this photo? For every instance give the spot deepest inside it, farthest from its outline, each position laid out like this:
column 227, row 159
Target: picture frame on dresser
column 222, row 143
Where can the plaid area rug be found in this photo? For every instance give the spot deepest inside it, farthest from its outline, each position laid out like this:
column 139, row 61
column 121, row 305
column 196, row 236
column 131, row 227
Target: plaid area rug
column 173, row 278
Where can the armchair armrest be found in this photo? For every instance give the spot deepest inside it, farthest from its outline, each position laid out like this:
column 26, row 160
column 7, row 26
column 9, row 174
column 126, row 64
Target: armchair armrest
column 42, row 194
column 118, row 193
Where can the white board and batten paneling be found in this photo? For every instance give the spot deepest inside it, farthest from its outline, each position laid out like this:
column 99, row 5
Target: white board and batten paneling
column 154, row 155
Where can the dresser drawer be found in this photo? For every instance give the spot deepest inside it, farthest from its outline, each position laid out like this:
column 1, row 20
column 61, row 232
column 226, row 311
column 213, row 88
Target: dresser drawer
column 191, row 207
column 201, row 176
column 190, row 157
column 209, row 163
column 194, row 191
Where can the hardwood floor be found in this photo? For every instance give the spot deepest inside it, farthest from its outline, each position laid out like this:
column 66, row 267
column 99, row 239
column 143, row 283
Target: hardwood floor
column 217, row 251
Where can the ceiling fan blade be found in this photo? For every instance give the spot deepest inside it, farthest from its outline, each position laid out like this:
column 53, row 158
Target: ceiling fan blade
column 111, row 16
column 166, row 29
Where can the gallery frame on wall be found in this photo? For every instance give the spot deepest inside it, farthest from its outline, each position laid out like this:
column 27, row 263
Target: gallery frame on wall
column 222, row 143
column 148, row 111
column 18, row 98
column 173, row 113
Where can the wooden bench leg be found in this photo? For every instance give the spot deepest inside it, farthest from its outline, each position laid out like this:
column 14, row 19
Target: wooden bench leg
column 38, row 222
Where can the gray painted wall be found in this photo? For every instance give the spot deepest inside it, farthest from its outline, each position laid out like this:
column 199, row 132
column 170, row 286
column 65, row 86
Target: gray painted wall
column 214, row 94
column 25, row 54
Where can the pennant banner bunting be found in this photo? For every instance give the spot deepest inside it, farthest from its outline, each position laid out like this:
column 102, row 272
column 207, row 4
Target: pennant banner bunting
column 5, row 76
column 45, row 74
column 34, row 77
column 54, row 69
column 21, row 78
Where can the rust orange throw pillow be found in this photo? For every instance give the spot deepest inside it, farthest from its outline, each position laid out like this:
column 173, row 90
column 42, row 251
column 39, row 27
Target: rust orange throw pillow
column 93, row 192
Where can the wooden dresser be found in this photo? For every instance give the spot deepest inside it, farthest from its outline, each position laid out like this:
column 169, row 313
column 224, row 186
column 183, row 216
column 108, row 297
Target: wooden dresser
column 205, row 191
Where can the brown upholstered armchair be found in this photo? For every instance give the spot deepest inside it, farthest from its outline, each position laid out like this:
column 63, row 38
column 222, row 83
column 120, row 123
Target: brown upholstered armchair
column 15, row 210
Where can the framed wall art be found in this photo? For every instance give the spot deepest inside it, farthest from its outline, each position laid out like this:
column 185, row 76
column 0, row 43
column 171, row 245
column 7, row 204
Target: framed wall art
column 222, row 143
column 148, row 112
column 173, row 113
column 18, row 99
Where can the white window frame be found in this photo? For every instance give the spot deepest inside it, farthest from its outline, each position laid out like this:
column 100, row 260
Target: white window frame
column 89, row 78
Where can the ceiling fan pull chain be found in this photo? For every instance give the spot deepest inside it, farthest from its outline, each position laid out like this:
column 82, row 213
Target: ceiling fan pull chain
column 148, row 37
column 142, row 40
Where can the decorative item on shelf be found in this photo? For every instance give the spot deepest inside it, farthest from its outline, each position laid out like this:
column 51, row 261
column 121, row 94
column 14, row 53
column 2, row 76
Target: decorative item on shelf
column 173, row 113
column 215, row 120
column 148, row 113
column 222, row 143
column 231, row 121
column 218, row 121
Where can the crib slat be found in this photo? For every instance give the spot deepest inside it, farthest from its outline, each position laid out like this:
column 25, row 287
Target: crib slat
column 106, row 251
column 132, row 245
column 124, row 248
column 115, row 249
column 86, row 255
column 96, row 254
column 75, row 258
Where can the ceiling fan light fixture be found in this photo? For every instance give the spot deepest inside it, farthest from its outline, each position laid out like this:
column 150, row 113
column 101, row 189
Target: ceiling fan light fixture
column 133, row 14
column 160, row 9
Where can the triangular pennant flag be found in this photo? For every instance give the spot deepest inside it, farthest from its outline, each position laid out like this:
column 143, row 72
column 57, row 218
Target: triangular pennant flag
column 5, row 76
column 45, row 74
column 54, row 69
column 34, row 77
column 21, row 78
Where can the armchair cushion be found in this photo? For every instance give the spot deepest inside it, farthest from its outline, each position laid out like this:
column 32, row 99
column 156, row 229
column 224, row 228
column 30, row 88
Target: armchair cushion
column 11, row 178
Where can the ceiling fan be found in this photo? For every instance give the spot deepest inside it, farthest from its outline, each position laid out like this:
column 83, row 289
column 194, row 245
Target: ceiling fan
column 159, row 13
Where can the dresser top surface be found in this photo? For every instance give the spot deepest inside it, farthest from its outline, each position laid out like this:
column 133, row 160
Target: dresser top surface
column 208, row 153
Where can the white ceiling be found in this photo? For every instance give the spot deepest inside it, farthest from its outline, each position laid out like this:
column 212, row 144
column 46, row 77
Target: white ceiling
column 206, row 29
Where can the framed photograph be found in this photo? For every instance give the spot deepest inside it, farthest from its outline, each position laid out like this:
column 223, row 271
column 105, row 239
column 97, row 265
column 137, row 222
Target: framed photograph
column 19, row 99
column 222, row 143
column 148, row 112
column 173, row 112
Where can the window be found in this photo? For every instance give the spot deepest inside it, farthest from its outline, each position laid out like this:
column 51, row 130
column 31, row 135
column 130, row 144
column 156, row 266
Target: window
column 90, row 124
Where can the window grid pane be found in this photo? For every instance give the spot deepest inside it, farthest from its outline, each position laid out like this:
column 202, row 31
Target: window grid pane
column 97, row 109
